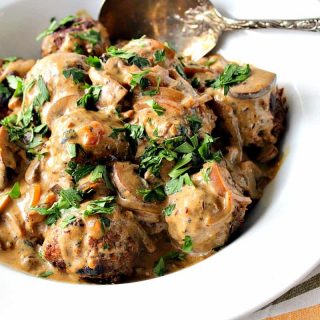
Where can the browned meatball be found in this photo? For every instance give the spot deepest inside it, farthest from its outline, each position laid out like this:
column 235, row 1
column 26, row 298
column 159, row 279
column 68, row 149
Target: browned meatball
column 82, row 35
column 208, row 210
column 94, row 250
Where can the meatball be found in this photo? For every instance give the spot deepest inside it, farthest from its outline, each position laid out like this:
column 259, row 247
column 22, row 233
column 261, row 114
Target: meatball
column 92, row 130
column 104, row 247
column 63, row 90
column 208, row 211
column 82, row 35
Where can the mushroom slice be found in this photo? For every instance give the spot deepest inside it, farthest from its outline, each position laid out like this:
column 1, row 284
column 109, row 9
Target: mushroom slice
column 128, row 183
column 257, row 85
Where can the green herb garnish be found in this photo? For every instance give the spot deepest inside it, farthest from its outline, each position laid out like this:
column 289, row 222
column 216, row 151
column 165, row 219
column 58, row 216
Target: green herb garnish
column 187, row 244
column 138, row 79
column 55, row 25
column 154, row 195
column 159, row 56
column 91, row 97
column 45, row 274
column 77, row 75
column 14, row 193
column 102, row 206
column 69, row 219
column 156, row 107
column 232, row 74
column 92, row 36
column 167, row 211
column 160, row 267
column 94, row 62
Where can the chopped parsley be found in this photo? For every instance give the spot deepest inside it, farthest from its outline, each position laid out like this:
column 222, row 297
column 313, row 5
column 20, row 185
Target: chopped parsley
column 69, row 219
column 45, row 274
column 102, row 206
column 100, row 172
column 130, row 57
column 160, row 267
column 153, row 92
column 7, row 60
column 5, row 94
column 133, row 131
column 195, row 82
column 55, row 26
column 43, row 95
column 94, row 61
column 79, row 171
column 187, row 244
column 156, row 107
column 68, row 198
column 91, row 97
column 206, row 174
column 138, row 79
column 153, row 195
column 167, row 211
column 210, row 62
column 232, row 74
column 175, row 185
column 17, row 84
column 78, row 49
column 159, row 56
column 195, row 123
column 92, row 36
column 72, row 150
column 77, row 75
column 15, row 193
column 25, row 128
column 180, row 70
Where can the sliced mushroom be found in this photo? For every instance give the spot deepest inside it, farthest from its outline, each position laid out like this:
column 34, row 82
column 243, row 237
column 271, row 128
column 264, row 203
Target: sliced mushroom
column 257, row 85
column 32, row 174
column 128, row 183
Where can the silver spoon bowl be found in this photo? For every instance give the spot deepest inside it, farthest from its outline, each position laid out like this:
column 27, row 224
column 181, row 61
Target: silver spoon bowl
column 192, row 27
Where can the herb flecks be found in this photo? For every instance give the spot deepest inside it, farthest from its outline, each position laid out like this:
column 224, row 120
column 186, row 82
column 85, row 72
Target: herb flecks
column 55, row 26
column 232, row 74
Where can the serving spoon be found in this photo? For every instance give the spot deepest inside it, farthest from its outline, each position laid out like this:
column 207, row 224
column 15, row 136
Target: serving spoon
column 193, row 27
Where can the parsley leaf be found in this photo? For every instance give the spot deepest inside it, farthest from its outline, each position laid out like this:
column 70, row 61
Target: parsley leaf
column 135, row 131
column 94, row 62
column 154, row 195
column 159, row 56
column 43, row 95
column 14, row 193
column 77, row 75
column 187, row 245
column 5, row 93
column 91, row 97
column 130, row 57
column 206, row 174
column 7, row 60
column 16, row 83
column 45, row 274
column 180, row 70
column 156, row 107
column 55, row 25
column 232, row 74
column 139, row 80
column 68, row 220
column 195, row 123
column 180, row 168
column 100, row 172
column 92, row 36
column 72, row 150
column 78, row 171
column 102, row 206
column 210, row 62
column 68, row 198
column 195, row 83
column 205, row 150
column 167, row 211
column 160, row 267
column 153, row 92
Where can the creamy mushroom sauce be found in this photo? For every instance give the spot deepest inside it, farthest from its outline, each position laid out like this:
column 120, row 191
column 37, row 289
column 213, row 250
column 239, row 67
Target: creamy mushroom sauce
column 131, row 163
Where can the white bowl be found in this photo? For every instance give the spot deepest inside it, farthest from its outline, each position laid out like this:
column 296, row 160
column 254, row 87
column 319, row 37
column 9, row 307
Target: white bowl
column 279, row 243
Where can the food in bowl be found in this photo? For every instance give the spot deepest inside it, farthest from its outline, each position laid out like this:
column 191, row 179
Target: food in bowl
column 125, row 162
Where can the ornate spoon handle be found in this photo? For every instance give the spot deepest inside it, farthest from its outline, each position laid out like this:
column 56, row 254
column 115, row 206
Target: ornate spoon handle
column 312, row 24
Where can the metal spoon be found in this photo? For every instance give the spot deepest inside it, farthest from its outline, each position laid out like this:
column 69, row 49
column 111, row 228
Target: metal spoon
column 193, row 27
